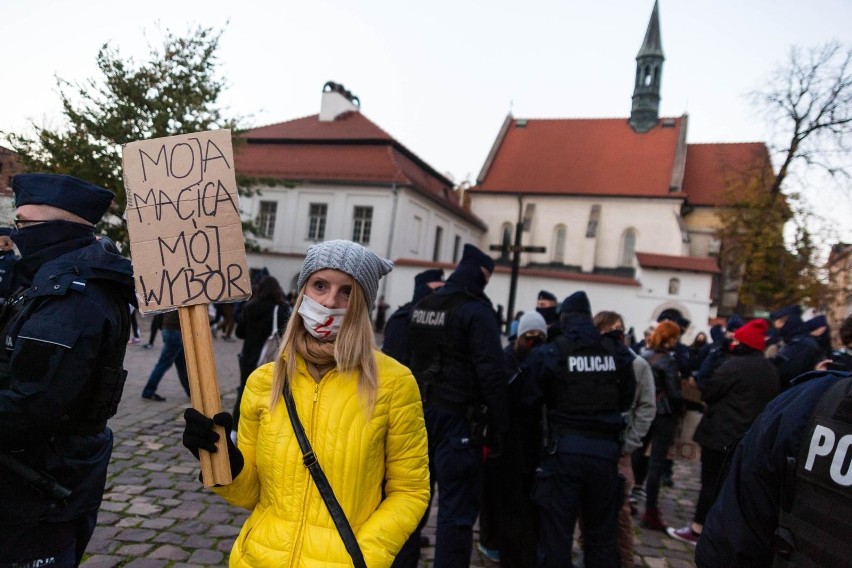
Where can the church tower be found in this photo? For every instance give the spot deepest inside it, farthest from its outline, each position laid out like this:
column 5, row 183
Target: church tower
column 649, row 69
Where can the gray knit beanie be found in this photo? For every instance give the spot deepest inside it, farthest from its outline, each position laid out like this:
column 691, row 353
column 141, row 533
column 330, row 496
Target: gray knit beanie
column 365, row 266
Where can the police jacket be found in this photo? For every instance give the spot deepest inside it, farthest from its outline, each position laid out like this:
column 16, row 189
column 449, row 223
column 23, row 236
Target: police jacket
column 736, row 393
column 740, row 527
column 61, row 377
column 586, row 381
column 800, row 353
column 463, row 349
column 396, row 334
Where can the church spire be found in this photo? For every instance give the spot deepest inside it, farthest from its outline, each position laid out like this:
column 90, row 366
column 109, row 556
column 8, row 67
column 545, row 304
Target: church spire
column 649, row 69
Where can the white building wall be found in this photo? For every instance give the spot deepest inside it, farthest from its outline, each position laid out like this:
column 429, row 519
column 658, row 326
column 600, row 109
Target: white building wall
column 654, row 220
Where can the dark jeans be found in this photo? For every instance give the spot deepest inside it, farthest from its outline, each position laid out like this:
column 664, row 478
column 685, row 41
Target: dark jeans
column 565, row 485
column 660, row 436
column 508, row 519
column 712, row 478
column 47, row 544
column 172, row 354
column 156, row 325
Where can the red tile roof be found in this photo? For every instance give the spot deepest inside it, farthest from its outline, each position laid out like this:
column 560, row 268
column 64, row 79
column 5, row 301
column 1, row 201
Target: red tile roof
column 348, row 126
column 684, row 263
column 350, row 149
column 583, row 157
column 710, row 168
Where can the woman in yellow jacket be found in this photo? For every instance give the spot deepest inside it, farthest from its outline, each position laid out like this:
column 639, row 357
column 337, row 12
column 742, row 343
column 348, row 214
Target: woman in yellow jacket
column 361, row 411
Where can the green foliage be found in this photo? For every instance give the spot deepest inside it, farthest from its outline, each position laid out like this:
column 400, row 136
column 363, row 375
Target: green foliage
column 174, row 91
column 769, row 254
column 766, row 270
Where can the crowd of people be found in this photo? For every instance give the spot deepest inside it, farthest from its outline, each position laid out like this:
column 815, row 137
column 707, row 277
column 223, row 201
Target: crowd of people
column 339, row 446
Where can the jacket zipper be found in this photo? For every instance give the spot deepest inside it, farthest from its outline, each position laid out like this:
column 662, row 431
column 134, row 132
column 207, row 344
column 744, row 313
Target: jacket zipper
column 297, row 544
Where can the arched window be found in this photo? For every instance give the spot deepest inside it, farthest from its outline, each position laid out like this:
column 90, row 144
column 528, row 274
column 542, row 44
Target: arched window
column 628, row 248
column 506, row 240
column 559, row 244
column 674, row 286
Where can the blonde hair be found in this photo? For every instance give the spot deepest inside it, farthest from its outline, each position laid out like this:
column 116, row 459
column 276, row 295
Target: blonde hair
column 354, row 349
column 664, row 332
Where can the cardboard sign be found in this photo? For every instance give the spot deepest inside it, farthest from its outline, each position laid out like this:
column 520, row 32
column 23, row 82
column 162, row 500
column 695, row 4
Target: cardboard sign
column 183, row 216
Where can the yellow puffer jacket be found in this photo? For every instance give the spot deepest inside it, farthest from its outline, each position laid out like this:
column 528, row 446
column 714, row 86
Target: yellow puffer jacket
column 289, row 525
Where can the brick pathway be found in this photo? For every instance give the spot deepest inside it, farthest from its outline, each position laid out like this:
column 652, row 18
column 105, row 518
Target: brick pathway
column 156, row 514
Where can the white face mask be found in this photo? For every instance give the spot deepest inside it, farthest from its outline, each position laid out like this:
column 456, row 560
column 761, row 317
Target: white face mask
column 320, row 321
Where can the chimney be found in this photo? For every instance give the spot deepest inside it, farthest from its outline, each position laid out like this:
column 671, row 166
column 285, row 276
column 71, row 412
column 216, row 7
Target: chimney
column 336, row 100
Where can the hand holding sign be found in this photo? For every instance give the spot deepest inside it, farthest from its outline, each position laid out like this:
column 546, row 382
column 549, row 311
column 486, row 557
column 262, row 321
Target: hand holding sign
column 187, row 250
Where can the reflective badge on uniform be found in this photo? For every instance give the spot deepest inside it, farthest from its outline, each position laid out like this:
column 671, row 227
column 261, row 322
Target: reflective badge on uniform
column 434, row 319
column 828, row 456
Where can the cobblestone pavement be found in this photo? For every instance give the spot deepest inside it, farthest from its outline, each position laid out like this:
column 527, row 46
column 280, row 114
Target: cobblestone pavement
column 156, row 514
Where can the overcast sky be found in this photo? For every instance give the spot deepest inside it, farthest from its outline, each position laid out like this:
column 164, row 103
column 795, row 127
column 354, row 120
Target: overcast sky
column 440, row 76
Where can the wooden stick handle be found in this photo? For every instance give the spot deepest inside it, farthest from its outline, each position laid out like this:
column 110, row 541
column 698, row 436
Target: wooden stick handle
column 204, row 388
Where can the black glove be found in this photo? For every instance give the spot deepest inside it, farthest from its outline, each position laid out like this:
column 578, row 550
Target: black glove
column 199, row 434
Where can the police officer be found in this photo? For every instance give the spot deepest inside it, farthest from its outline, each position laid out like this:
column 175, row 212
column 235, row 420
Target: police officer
column 586, row 381
column 64, row 335
column 800, row 352
column 787, row 499
column 457, row 359
column 546, row 305
column 395, row 338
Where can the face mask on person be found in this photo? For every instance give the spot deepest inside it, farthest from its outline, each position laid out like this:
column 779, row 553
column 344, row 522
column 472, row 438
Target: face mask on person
column 33, row 238
column 616, row 335
column 549, row 314
column 320, row 321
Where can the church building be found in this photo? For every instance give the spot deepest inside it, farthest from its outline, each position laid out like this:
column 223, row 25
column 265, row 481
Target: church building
column 622, row 208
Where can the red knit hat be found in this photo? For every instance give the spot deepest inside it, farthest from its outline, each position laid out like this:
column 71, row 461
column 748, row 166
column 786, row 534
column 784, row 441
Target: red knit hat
column 753, row 334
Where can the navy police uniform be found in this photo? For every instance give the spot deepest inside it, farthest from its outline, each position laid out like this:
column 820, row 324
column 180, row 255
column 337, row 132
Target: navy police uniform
column 787, row 500
column 586, row 381
column 801, row 352
column 64, row 334
column 457, row 359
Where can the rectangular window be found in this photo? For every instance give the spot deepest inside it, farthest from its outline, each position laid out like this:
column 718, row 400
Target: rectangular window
column 266, row 219
column 456, row 248
column 363, row 218
column 436, row 252
column 316, row 224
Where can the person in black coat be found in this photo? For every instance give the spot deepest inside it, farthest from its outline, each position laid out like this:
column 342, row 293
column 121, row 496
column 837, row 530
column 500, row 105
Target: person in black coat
column 457, row 358
column 255, row 326
column 508, row 521
column 735, row 395
column 65, row 331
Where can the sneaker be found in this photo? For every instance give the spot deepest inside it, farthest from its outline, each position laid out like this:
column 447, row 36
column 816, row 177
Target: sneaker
column 493, row 555
column 154, row 398
column 638, row 494
column 652, row 520
column 684, row 534
column 148, row 346
column 133, row 341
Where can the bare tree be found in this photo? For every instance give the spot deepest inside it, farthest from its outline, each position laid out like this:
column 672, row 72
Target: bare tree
column 809, row 101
